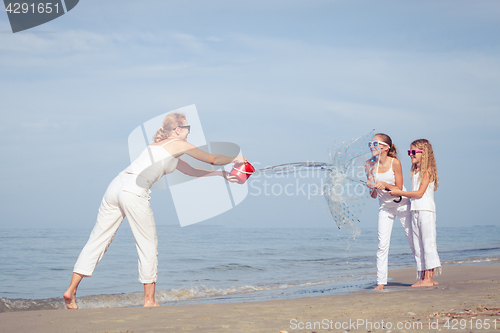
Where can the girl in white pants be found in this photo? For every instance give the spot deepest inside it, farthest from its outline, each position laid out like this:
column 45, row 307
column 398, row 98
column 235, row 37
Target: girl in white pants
column 384, row 173
column 424, row 182
column 128, row 196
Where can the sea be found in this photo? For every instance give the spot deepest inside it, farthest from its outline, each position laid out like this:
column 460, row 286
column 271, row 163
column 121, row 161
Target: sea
column 212, row 264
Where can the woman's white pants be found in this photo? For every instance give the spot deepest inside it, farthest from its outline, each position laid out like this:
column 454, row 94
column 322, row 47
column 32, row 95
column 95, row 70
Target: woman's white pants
column 117, row 204
column 386, row 218
column 424, row 238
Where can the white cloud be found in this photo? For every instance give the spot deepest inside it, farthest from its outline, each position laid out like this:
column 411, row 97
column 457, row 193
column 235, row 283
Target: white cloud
column 188, row 41
column 54, row 43
column 214, row 39
column 283, row 74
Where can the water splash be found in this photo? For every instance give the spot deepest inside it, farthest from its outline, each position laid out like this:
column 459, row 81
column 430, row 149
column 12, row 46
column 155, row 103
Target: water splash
column 345, row 190
column 298, row 167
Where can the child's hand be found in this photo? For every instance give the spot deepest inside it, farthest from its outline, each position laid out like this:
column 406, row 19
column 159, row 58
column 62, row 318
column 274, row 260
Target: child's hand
column 396, row 193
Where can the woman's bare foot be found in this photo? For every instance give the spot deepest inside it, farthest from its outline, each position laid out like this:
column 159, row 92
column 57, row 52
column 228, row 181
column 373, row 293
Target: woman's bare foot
column 150, row 304
column 149, row 295
column 70, row 294
column 70, row 299
column 379, row 287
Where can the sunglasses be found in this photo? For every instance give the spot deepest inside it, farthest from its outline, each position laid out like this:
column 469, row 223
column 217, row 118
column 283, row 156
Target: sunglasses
column 185, row 126
column 376, row 143
column 414, row 152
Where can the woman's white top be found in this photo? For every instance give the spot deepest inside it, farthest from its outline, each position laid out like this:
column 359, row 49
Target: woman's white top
column 153, row 163
column 385, row 199
column 426, row 202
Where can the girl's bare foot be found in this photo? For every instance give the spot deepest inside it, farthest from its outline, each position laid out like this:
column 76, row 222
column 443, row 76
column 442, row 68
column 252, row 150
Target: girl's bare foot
column 70, row 300
column 427, row 281
column 379, row 287
column 424, row 283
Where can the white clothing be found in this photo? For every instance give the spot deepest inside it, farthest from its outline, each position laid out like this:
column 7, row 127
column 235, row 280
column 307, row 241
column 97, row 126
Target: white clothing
column 426, row 202
column 388, row 211
column 424, row 236
column 386, row 218
column 385, row 199
column 153, row 163
column 127, row 196
column 424, row 228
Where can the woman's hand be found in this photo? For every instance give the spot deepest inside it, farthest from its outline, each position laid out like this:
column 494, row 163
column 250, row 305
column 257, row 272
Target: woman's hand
column 229, row 177
column 232, row 179
column 240, row 159
column 396, row 193
column 381, row 185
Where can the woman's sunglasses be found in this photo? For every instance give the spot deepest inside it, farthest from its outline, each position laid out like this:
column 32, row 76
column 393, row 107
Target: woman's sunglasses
column 376, row 143
column 414, row 152
column 185, row 126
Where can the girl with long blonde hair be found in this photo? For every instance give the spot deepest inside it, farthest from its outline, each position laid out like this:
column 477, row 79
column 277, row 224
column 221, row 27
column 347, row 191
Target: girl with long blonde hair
column 425, row 181
column 128, row 196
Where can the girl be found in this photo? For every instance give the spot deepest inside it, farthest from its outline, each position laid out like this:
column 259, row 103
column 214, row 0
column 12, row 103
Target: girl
column 385, row 174
column 127, row 195
column 424, row 182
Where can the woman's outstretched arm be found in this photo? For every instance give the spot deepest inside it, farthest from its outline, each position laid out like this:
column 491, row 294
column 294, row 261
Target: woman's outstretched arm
column 214, row 159
column 187, row 169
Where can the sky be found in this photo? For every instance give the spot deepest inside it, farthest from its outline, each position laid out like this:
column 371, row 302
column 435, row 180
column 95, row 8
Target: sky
column 284, row 80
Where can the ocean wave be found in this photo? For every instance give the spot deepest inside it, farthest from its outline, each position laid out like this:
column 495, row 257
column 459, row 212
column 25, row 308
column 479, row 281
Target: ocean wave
column 233, row 267
column 137, row 298
column 471, row 260
column 20, row 304
column 482, row 249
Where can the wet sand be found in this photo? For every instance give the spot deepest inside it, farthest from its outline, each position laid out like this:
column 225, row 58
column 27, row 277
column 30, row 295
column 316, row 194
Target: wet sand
column 467, row 298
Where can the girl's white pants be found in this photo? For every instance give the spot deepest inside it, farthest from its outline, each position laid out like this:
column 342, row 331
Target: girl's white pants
column 116, row 204
column 386, row 216
column 424, row 239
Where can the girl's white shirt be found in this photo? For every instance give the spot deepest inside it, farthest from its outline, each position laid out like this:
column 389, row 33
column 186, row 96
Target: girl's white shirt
column 385, row 199
column 426, row 202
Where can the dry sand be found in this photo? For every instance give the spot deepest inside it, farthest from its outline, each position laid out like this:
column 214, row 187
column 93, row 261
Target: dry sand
column 466, row 295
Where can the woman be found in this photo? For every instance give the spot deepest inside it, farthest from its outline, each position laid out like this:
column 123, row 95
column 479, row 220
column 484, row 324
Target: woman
column 127, row 195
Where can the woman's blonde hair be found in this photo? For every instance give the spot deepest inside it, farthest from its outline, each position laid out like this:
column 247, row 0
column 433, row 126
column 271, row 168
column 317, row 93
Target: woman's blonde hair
column 427, row 162
column 392, row 148
column 171, row 121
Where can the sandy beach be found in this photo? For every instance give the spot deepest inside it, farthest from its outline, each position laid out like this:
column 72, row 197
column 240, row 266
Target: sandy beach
column 467, row 299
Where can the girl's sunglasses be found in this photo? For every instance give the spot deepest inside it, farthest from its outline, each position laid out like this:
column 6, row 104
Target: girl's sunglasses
column 376, row 143
column 414, row 152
